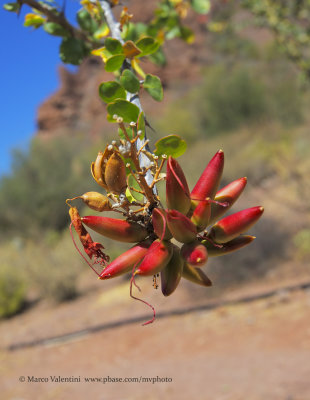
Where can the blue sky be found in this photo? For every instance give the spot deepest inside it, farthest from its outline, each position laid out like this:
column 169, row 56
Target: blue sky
column 28, row 74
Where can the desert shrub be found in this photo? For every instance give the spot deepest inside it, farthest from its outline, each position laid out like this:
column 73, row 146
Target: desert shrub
column 53, row 268
column 286, row 97
column 180, row 123
column 12, row 290
column 48, row 268
column 301, row 241
column 231, row 96
column 32, row 196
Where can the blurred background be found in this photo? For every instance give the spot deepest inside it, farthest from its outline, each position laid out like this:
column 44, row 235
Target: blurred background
column 247, row 337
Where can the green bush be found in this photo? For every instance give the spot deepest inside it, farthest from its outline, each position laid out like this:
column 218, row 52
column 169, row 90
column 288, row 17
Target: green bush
column 231, row 96
column 12, row 291
column 32, row 197
column 53, row 268
column 179, row 123
column 301, row 242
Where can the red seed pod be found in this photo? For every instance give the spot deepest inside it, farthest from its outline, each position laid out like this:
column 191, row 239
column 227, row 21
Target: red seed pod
column 177, row 191
column 170, row 276
column 160, row 225
column 156, row 258
column 210, row 179
column 195, row 275
column 181, row 227
column 227, row 196
column 201, row 215
column 123, row 231
column 195, row 254
column 228, row 247
column 126, row 261
column 232, row 226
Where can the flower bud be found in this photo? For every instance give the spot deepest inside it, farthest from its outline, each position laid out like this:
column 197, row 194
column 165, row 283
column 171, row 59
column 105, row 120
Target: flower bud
column 195, row 254
column 195, row 275
column 227, row 196
column 156, row 258
column 230, row 227
column 160, row 225
column 177, row 191
column 228, row 247
column 115, row 174
column 96, row 201
column 123, row 231
column 210, row 179
column 181, row 227
column 201, row 215
column 170, row 276
column 126, row 261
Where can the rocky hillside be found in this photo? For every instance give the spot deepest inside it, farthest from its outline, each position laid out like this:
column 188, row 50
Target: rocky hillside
column 75, row 107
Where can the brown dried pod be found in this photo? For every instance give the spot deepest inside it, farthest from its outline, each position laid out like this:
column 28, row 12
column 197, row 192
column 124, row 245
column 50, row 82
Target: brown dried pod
column 115, row 174
column 97, row 170
column 96, row 201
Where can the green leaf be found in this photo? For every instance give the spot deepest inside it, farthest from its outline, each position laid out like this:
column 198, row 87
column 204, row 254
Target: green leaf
column 141, row 125
column 171, row 145
column 132, row 31
column 86, row 22
column 101, row 32
column 187, row 34
column 110, row 91
column 12, row 7
column 174, row 32
column 122, row 136
column 129, row 81
column 55, row 29
column 152, row 85
column 34, row 20
column 73, row 51
column 114, row 63
column 113, row 46
column 130, row 49
column 159, row 58
column 147, row 45
column 131, row 194
column 201, row 6
column 123, row 108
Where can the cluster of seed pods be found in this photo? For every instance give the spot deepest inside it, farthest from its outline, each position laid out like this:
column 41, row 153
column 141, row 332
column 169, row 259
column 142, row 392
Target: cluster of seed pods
column 175, row 241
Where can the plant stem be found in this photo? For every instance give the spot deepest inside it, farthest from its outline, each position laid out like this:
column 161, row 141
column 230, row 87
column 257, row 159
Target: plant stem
column 60, row 19
column 149, row 194
column 114, row 27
